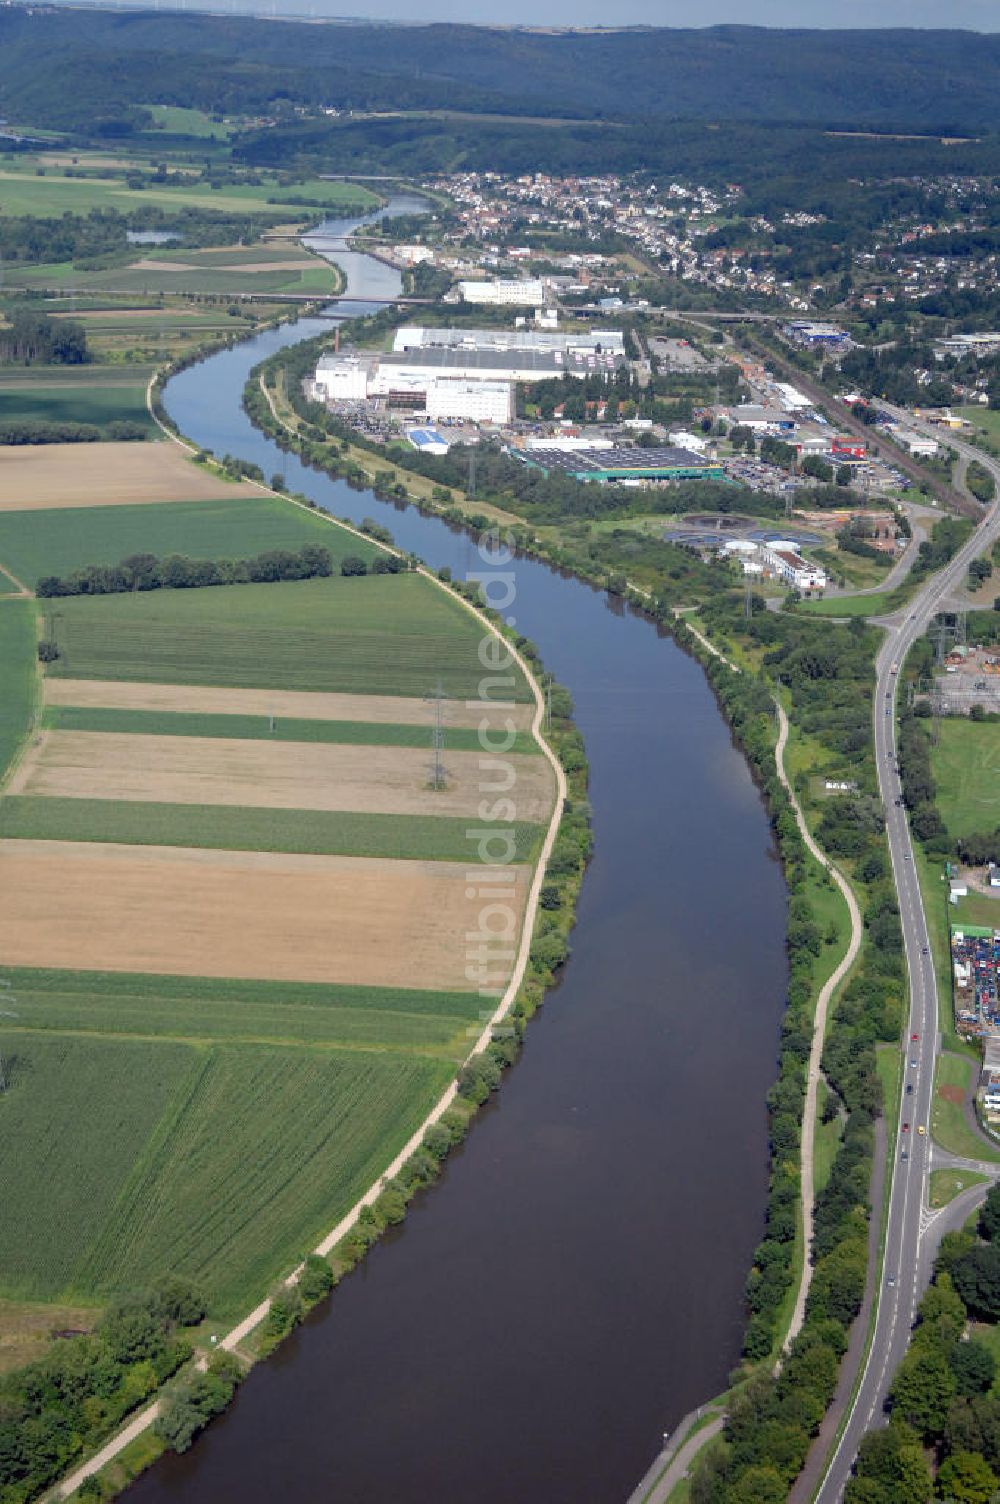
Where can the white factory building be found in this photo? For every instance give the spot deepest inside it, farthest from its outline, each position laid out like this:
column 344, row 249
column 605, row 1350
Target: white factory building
column 440, row 394
column 511, row 292
column 783, row 559
column 592, row 342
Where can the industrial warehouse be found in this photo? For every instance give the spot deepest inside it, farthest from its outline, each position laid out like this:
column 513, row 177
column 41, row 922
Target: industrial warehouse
column 612, row 464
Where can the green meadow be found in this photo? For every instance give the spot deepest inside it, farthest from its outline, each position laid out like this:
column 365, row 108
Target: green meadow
column 966, row 765
column 18, row 677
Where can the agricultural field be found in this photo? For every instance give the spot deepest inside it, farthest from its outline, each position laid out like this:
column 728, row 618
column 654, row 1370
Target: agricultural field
column 119, row 330
column 74, row 476
column 381, row 634
column 205, row 1009
column 361, row 921
column 263, row 774
column 182, row 122
column 17, row 677
column 270, row 727
column 289, row 270
column 225, row 703
column 218, row 1162
column 418, row 837
column 229, row 522
column 76, row 394
column 966, row 766
column 23, row 191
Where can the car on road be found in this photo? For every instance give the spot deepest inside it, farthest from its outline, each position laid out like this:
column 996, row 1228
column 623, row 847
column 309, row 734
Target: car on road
column 921, row 1130
column 924, row 951
column 890, row 1280
column 905, row 1154
column 915, row 1037
column 913, row 1062
column 909, row 1088
column 906, row 1127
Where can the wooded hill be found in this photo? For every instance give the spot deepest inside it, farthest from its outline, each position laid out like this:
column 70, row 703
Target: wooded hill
column 941, row 81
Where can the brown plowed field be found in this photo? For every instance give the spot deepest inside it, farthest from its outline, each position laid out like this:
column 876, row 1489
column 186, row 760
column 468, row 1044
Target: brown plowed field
column 104, row 475
column 238, row 914
column 275, row 775
column 198, row 699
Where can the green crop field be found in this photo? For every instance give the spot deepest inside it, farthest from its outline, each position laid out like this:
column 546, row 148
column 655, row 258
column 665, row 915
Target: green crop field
column 17, row 676
column 55, row 541
column 205, row 1009
column 122, row 1160
column 426, row 838
column 381, row 634
column 966, row 765
column 88, row 394
column 74, row 1122
column 257, row 728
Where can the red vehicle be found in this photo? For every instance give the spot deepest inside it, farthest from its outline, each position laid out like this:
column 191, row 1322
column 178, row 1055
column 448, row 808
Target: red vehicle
column 914, row 1036
column 906, row 1127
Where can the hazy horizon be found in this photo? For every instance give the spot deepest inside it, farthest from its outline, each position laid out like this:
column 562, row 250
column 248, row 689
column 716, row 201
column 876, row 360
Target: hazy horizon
column 800, row 15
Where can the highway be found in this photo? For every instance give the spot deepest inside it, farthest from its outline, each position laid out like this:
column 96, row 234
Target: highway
column 912, row 1233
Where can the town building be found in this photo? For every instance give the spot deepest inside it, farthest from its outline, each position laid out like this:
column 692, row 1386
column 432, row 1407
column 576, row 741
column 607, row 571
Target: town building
column 634, row 464
column 784, row 560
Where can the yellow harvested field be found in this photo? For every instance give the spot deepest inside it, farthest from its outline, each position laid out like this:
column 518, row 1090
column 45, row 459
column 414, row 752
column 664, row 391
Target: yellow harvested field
column 181, row 912
column 199, row 699
column 105, row 475
column 278, row 775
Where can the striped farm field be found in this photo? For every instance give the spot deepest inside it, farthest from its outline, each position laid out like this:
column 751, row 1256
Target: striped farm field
column 380, row 634
column 422, row 838
column 205, row 1009
column 243, row 523
column 282, row 729
column 273, row 775
column 220, row 1163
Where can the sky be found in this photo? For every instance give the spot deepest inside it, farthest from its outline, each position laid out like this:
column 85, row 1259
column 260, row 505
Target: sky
column 970, row 15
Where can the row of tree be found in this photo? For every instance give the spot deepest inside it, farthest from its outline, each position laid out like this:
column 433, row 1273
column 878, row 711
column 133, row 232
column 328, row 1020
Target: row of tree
column 20, row 431
column 148, row 572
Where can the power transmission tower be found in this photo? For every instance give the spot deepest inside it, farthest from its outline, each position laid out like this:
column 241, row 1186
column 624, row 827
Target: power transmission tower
column 748, row 597
column 472, row 471
column 439, row 778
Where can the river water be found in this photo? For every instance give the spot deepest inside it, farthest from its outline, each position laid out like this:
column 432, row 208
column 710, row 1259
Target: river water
column 573, row 1284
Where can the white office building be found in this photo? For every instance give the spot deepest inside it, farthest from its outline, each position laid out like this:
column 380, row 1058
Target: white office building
column 342, row 378
column 512, row 292
column 471, row 401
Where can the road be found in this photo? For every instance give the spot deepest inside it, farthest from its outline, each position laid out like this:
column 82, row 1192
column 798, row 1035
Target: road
column 911, row 1233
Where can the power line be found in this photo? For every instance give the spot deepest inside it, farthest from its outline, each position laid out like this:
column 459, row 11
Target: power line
column 439, row 778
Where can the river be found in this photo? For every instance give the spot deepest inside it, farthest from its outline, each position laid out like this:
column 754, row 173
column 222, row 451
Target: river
column 573, row 1284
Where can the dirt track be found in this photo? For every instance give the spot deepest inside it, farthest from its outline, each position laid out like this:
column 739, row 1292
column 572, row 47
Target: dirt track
column 104, row 475
column 238, row 914
column 290, row 704
column 274, row 775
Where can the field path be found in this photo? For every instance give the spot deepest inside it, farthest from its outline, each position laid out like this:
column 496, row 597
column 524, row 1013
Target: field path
column 807, row 1182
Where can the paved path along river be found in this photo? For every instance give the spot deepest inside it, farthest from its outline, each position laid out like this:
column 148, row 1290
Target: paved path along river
column 574, row 1284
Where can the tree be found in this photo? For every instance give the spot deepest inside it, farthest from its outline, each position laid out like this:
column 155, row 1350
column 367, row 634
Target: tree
column 989, row 1217
column 973, row 1365
column 893, row 1460
column 351, row 564
column 967, row 1478
column 977, row 1279
column 922, row 1390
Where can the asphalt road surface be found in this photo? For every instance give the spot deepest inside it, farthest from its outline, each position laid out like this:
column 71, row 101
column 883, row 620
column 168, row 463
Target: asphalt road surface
column 912, row 1235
